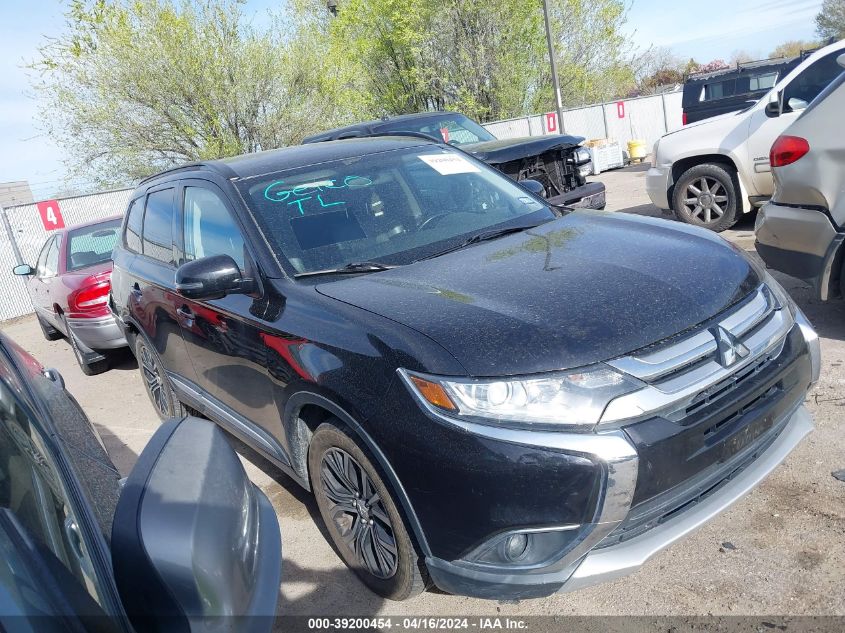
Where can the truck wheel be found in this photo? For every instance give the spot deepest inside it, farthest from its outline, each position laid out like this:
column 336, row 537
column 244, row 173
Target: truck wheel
column 361, row 516
column 156, row 382
column 706, row 195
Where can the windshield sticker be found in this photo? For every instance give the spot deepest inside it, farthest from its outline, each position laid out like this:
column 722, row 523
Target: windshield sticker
column 448, row 164
column 310, row 195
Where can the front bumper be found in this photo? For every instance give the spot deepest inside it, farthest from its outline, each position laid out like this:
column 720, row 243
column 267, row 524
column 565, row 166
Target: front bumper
column 97, row 333
column 607, row 563
column 802, row 243
column 589, row 196
column 657, row 185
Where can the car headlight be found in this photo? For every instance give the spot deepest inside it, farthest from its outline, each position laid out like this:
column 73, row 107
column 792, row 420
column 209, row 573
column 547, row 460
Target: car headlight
column 582, row 155
column 779, row 293
column 561, row 399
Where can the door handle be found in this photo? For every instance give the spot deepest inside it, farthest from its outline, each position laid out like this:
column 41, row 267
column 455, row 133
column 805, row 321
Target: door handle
column 185, row 316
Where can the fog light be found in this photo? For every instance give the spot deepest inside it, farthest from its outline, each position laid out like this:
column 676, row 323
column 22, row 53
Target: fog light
column 526, row 548
column 516, row 546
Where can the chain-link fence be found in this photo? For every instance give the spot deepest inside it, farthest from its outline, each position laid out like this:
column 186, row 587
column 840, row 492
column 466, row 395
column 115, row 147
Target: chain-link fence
column 22, row 233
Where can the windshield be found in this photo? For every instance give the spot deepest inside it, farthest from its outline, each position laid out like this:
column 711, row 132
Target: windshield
column 455, row 129
column 393, row 207
column 91, row 245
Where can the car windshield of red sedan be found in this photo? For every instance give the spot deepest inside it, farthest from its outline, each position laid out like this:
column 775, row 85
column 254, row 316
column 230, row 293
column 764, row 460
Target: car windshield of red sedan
column 392, row 207
column 90, row 245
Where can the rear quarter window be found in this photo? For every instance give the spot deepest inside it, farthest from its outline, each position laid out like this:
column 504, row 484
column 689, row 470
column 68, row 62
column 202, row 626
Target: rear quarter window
column 132, row 238
column 158, row 226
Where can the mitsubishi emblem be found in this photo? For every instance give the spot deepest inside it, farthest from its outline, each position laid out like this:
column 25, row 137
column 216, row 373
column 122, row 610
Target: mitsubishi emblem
column 729, row 349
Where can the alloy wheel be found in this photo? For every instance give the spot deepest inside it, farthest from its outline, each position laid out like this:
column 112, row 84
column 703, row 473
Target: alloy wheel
column 705, row 199
column 153, row 380
column 358, row 513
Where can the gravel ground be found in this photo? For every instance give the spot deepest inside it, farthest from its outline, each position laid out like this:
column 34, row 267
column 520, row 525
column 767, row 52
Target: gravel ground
column 778, row 551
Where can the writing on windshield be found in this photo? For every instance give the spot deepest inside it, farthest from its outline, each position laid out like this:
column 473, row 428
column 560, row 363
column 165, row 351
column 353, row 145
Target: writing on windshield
column 320, row 194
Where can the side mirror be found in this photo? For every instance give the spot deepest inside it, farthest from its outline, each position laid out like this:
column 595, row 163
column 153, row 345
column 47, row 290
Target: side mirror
column 773, row 105
column 795, row 103
column 534, row 186
column 211, row 278
column 193, row 539
column 23, row 269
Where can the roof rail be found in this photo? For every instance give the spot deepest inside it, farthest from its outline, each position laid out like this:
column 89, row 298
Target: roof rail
column 170, row 170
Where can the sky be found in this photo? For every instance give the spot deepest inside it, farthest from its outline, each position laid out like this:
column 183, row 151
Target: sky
column 700, row 29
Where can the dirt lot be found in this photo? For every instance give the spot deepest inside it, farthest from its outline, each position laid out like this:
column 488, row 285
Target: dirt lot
column 779, row 551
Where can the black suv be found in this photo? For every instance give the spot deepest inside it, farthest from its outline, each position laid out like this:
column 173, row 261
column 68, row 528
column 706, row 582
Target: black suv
column 481, row 390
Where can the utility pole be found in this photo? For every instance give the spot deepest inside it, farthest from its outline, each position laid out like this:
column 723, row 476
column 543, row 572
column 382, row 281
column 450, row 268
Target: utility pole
column 553, row 63
column 10, row 233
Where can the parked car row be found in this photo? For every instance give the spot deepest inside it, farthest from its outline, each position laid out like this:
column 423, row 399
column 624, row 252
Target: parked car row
column 713, row 171
column 485, row 391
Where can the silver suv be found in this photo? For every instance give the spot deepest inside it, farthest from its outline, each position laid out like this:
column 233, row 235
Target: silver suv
column 800, row 231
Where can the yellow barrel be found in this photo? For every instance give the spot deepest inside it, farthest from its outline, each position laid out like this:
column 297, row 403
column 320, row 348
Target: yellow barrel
column 637, row 149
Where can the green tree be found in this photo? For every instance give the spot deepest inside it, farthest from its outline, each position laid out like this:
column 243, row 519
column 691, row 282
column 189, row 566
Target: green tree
column 485, row 58
column 830, row 20
column 137, row 85
column 792, row 48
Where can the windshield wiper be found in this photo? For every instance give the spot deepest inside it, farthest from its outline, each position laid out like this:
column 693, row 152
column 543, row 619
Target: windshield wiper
column 484, row 236
column 350, row 268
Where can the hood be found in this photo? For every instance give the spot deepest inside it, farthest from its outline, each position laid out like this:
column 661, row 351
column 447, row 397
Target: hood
column 722, row 120
column 506, row 150
column 585, row 288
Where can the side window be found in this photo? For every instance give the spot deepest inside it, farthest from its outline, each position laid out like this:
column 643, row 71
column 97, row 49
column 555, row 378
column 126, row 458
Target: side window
column 209, row 228
column 158, row 226
column 51, row 265
column 32, row 488
column 40, row 266
column 812, row 80
column 133, row 226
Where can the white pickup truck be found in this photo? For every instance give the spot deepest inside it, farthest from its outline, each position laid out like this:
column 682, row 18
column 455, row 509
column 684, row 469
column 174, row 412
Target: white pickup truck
column 712, row 172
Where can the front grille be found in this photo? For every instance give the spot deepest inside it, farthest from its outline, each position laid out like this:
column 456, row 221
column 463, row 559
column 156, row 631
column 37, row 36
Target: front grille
column 670, row 505
column 700, row 421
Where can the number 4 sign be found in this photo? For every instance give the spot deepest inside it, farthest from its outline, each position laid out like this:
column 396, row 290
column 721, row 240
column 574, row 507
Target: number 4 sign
column 51, row 215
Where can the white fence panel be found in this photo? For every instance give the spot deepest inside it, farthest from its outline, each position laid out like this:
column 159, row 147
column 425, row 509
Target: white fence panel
column 586, row 122
column 512, row 128
column 30, row 235
column 674, row 110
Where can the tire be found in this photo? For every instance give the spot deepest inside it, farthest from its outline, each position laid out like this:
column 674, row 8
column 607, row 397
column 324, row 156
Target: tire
column 399, row 575
column 88, row 367
column 50, row 333
column 156, row 382
column 706, row 196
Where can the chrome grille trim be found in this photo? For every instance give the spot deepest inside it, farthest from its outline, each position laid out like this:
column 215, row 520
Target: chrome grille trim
column 652, row 365
column 676, row 388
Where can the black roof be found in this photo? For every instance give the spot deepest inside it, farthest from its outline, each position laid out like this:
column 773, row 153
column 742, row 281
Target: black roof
column 258, row 163
column 366, row 127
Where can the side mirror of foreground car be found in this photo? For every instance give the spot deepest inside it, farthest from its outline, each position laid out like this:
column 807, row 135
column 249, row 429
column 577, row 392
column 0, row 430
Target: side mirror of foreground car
column 211, row 278
column 534, row 186
column 772, row 109
column 23, row 269
column 193, row 539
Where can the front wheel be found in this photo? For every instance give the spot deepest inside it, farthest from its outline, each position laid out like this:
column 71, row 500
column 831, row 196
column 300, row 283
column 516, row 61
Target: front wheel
column 361, row 515
column 706, row 196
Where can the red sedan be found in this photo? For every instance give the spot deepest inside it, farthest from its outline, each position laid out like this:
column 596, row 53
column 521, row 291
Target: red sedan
column 70, row 285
